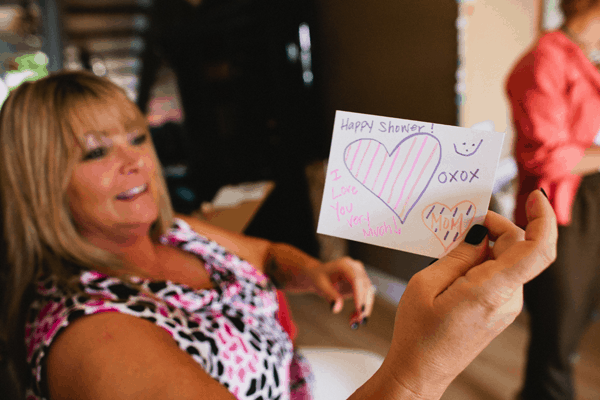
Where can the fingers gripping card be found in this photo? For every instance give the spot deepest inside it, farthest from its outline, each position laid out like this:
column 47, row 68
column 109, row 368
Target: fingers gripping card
column 407, row 185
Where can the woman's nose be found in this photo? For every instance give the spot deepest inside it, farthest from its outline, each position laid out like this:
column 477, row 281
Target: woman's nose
column 131, row 160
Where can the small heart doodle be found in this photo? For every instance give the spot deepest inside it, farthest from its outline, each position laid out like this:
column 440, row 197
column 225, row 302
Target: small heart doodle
column 400, row 177
column 449, row 223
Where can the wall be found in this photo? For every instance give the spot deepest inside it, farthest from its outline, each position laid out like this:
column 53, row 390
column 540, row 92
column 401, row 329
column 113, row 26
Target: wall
column 392, row 58
column 496, row 34
column 389, row 57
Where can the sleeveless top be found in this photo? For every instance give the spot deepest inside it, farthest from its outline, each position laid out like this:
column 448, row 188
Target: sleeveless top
column 230, row 330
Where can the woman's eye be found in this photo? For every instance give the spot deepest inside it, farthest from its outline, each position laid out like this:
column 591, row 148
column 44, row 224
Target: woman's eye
column 140, row 139
column 93, row 154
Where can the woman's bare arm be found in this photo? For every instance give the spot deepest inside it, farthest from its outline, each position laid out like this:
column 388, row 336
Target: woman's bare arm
column 292, row 269
column 116, row 356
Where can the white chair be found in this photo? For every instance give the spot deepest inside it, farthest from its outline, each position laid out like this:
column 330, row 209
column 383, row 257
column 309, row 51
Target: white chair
column 339, row 372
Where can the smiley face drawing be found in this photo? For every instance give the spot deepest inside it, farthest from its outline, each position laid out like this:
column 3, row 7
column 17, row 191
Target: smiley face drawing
column 467, row 149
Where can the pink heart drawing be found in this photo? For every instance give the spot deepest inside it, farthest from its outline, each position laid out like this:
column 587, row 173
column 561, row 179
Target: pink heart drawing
column 449, row 223
column 399, row 178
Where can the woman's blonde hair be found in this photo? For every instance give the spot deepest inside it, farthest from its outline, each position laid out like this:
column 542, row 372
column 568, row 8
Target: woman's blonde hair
column 40, row 127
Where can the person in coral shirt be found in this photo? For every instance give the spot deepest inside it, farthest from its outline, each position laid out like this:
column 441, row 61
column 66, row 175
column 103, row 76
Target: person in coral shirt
column 554, row 91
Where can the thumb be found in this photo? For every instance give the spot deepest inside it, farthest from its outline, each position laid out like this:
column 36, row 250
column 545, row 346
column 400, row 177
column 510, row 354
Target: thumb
column 471, row 252
column 530, row 257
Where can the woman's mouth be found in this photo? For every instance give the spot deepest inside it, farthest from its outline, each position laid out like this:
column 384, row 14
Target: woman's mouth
column 133, row 193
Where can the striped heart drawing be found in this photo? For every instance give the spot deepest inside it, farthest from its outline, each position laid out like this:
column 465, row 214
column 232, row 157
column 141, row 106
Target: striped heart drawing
column 400, row 177
column 448, row 224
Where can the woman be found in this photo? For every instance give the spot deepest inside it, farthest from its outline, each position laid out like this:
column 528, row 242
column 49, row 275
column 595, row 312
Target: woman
column 554, row 91
column 136, row 304
column 98, row 190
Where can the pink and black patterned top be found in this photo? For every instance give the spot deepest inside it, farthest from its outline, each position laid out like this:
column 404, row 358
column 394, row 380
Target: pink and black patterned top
column 231, row 330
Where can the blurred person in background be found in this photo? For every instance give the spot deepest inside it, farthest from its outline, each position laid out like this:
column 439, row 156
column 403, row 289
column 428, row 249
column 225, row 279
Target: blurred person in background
column 554, row 91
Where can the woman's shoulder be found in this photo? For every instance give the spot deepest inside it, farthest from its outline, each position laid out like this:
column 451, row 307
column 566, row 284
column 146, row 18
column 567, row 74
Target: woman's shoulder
column 252, row 249
column 54, row 308
column 107, row 352
column 55, row 314
column 546, row 62
column 557, row 43
column 185, row 227
column 184, row 231
column 553, row 38
column 550, row 46
column 182, row 222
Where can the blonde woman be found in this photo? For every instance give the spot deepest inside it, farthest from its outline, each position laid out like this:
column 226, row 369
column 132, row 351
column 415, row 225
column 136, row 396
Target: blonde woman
column 123, row 300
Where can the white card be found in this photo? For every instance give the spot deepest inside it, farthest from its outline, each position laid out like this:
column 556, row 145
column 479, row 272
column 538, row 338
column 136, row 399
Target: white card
column 407, row 185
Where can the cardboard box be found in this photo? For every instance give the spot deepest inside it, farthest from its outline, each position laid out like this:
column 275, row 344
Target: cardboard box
column 234, row 206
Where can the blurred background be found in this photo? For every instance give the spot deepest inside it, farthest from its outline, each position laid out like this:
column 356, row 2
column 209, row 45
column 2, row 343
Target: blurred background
column 246, row 90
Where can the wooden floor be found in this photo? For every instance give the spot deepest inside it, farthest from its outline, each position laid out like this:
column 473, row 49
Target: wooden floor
column 495, row 374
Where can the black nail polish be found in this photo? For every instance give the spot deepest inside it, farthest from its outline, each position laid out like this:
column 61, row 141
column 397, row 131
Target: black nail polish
column 432, row 261
column 543, row 192
column 364, row 321
column 362, row 309
column 476, row 234
column 354, row 326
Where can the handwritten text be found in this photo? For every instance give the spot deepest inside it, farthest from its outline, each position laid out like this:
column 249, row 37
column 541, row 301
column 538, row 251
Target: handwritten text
column 406, row 128
column 357, row 126
column 341, row 209
column 380, row 230
column 457, row 175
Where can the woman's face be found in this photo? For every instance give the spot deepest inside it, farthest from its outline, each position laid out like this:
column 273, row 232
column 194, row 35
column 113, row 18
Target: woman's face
column 113, row 191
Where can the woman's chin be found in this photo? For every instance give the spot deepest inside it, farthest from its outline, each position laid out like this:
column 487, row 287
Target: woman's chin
column 138, row 221
column 144, row 210
column 147, row 219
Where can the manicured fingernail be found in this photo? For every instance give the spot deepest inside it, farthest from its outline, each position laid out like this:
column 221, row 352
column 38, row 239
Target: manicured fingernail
column 354, row 326
column 543, row 192
column 432, row 261
column 362, row 309
column 364, row 321
column 476, row 234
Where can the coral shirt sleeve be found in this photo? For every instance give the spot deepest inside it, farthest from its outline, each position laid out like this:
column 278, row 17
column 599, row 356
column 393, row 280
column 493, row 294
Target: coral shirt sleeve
column 538, row 92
